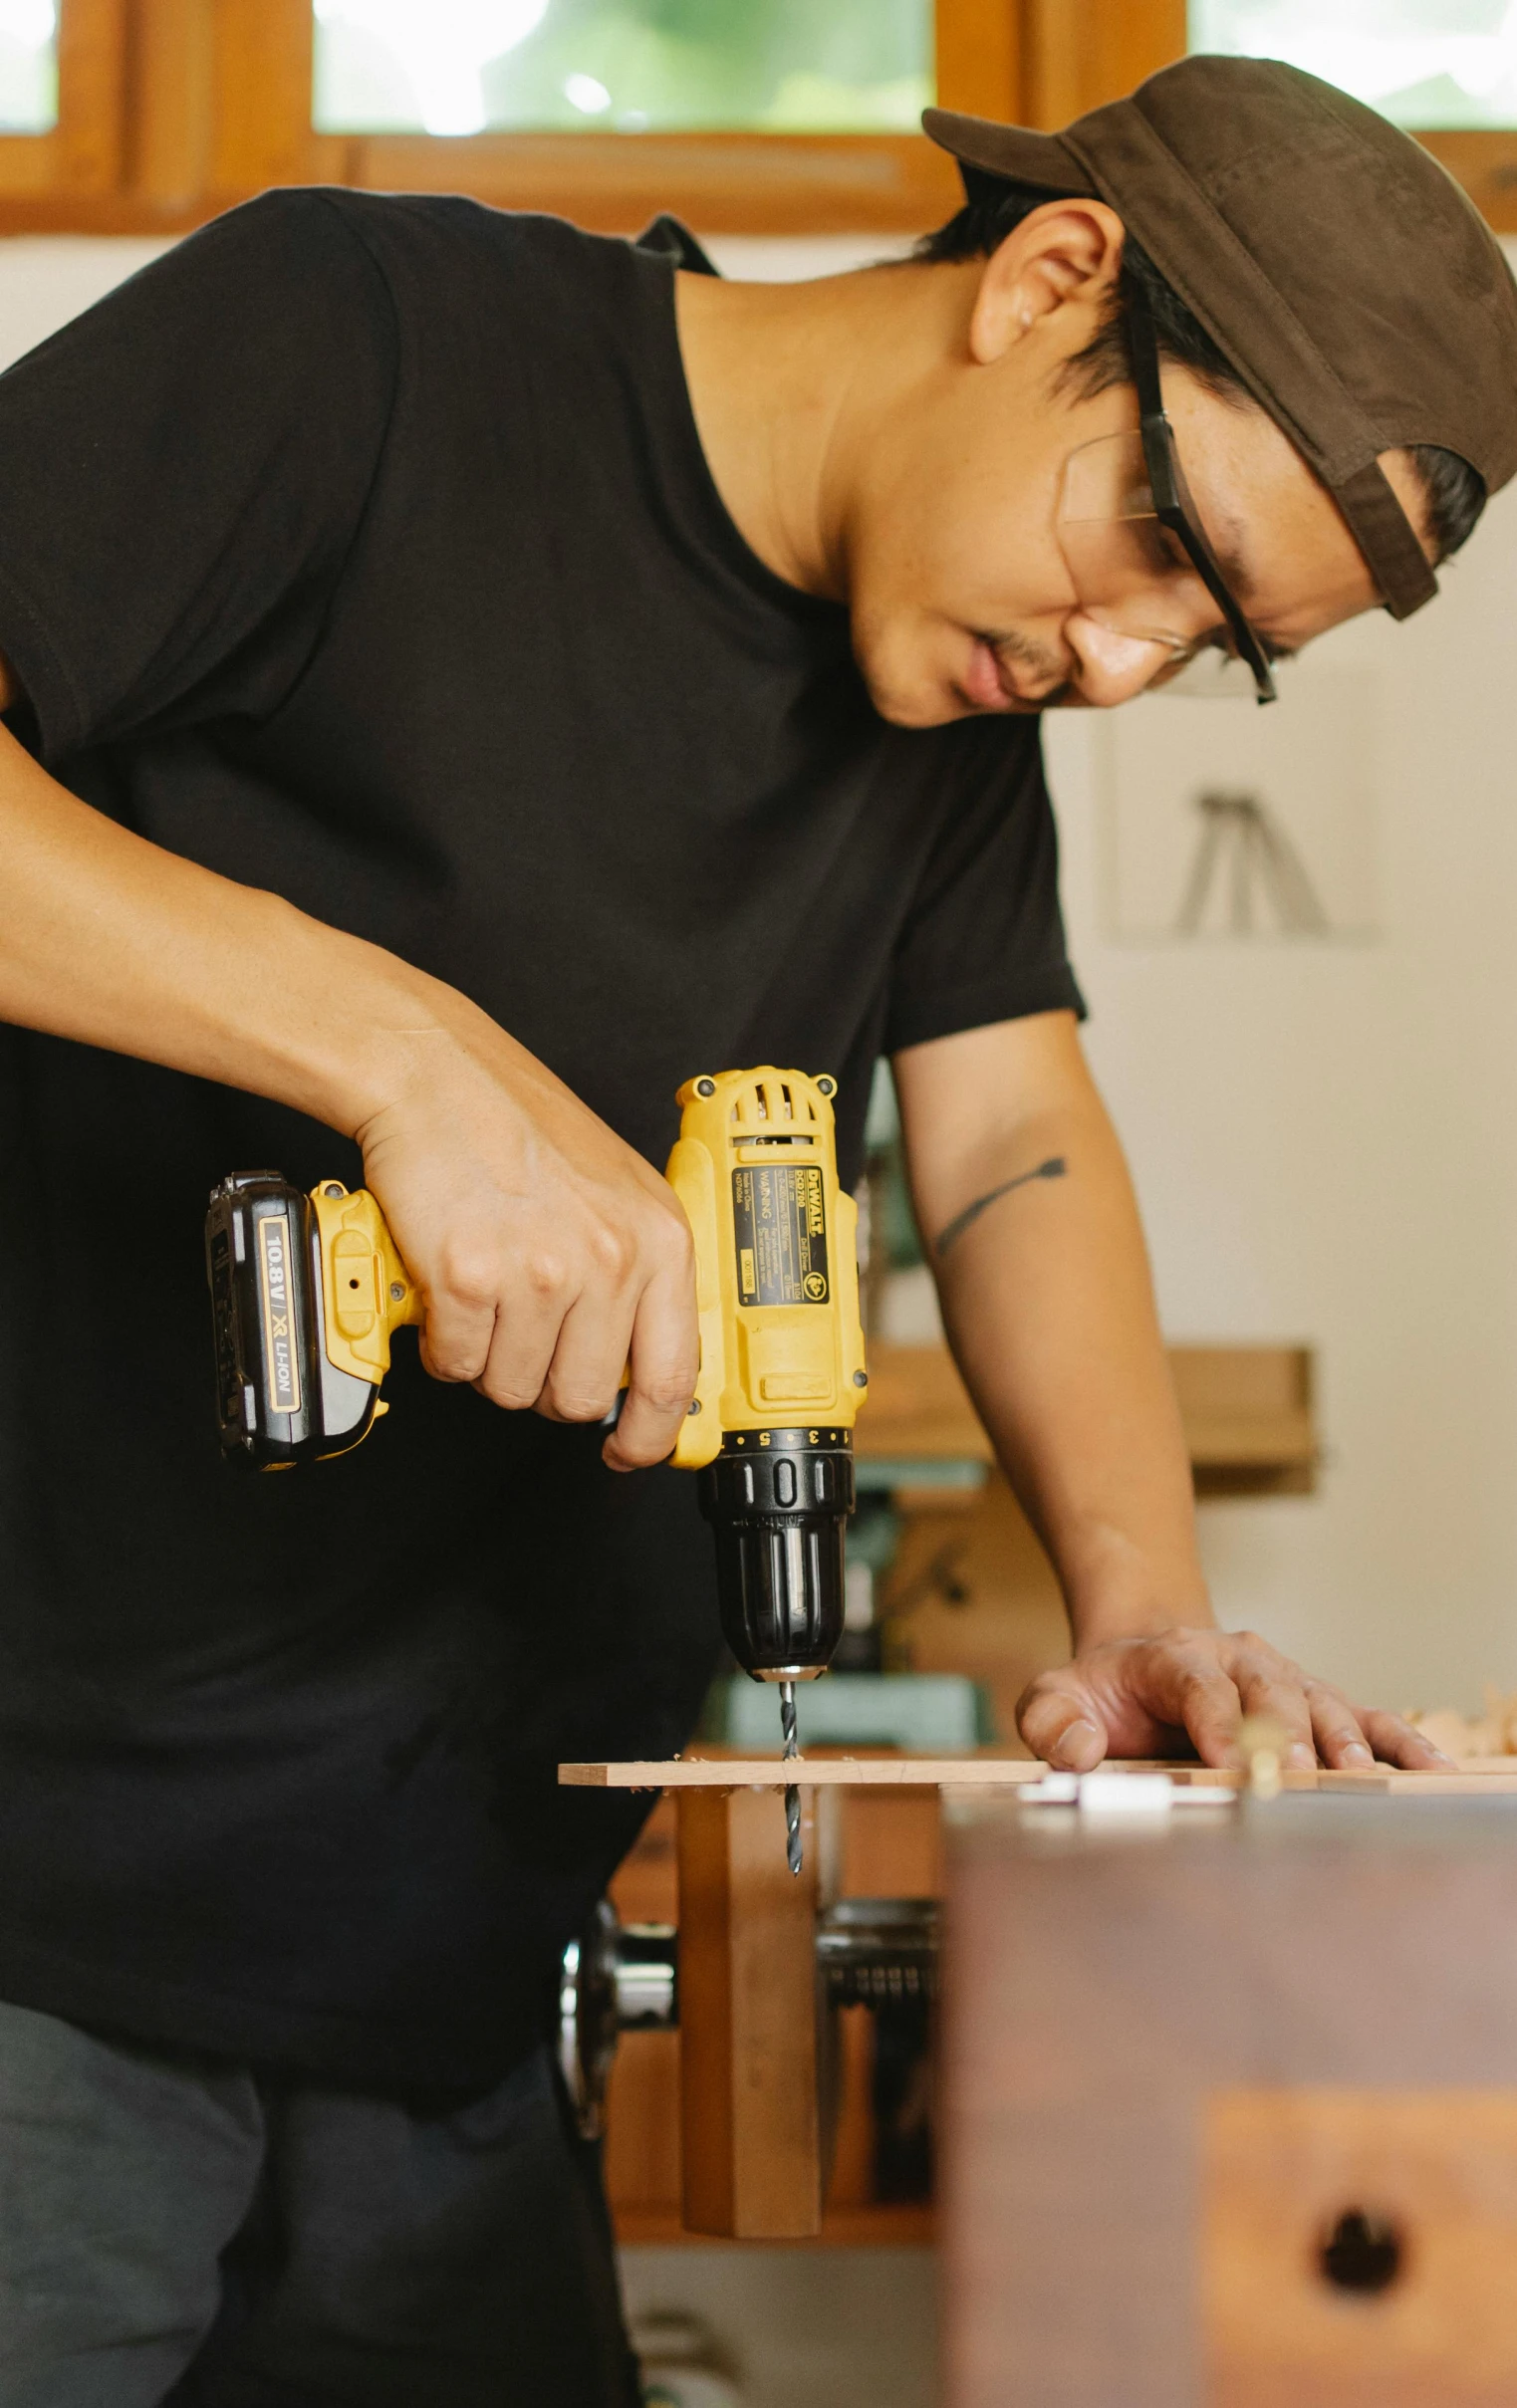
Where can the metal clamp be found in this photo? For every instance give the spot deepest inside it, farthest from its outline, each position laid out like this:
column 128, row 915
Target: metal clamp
column 613, row 1978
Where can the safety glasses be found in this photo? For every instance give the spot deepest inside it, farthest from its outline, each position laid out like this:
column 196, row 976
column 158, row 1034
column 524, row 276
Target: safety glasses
column 1137, row 554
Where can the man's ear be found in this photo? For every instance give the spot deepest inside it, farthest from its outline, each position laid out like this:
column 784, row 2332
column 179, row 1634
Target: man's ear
column 1066, row 255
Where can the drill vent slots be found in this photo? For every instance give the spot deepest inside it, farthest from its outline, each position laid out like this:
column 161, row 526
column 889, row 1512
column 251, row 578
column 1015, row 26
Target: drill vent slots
column 773, row 1100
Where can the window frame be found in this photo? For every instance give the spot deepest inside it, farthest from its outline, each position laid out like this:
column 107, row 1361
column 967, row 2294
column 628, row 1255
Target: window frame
column 195, row 105
column 993, row 59
column 170, row 111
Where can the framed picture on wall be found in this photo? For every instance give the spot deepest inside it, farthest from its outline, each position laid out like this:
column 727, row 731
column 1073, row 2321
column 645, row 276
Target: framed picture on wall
column 1224, row 824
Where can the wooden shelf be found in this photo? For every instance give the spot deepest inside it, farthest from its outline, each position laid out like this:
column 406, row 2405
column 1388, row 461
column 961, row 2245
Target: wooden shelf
column 1247, row 1412
column 918, row 1406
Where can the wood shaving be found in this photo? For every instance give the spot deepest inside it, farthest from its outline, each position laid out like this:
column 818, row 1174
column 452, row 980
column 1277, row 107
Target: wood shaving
column 1493, row 1733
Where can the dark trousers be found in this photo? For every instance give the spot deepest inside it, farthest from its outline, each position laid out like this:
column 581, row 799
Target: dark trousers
column 175, row 2230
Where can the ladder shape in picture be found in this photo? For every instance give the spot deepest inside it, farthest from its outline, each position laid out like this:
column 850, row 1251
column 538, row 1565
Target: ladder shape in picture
column 1245, row 853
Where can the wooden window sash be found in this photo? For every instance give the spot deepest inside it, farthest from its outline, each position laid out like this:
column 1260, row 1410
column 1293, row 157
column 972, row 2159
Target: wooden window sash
column 1078, row 54
column 83, row 151
column 723, row 183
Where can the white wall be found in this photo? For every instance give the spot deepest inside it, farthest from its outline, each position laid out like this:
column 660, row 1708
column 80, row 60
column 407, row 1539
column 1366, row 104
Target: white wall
column 1324, row 1138
column 47, row 279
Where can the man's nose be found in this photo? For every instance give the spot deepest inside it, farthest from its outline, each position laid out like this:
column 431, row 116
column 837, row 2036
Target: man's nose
column 1110, row 668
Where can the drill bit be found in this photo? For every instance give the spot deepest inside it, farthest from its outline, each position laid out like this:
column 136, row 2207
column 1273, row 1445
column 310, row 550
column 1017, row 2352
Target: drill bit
column 791, row 1795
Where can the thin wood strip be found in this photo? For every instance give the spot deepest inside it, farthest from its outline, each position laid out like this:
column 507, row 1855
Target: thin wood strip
column 821, row 1771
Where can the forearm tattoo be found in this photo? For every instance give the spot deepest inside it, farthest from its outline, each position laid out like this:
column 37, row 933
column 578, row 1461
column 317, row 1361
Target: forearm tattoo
column 1056, row 1167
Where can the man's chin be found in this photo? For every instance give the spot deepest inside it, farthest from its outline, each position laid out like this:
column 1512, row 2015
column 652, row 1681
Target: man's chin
column 914, row 701
column 904, row 682
column 941, row 706
column 921, row 714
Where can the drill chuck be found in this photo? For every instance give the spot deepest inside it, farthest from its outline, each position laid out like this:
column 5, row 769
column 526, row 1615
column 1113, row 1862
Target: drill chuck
column 778, row 1502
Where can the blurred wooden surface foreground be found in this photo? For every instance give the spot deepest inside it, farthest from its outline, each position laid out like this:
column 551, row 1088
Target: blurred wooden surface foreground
column 1229, row 2109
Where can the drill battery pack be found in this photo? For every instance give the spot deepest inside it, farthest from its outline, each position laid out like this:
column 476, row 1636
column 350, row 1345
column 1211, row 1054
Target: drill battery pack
column 304, row 1290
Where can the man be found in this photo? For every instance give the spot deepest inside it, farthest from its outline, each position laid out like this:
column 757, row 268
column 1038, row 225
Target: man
column 466, row 677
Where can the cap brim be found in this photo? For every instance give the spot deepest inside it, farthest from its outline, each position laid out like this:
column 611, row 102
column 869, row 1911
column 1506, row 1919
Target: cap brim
column 1015, row 153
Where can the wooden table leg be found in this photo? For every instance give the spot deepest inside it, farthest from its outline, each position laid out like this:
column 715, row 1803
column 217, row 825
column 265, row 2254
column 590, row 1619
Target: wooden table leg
column 752, row 2059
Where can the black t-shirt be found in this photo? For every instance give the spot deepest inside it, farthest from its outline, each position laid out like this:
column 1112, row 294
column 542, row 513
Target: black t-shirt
column 364, row 549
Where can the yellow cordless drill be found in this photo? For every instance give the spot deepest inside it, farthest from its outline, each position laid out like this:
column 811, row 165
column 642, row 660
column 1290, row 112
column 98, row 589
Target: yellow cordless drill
column 306, row 1291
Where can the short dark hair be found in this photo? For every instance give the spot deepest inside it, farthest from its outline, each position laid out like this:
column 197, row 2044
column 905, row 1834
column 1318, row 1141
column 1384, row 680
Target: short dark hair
column 1453, row 493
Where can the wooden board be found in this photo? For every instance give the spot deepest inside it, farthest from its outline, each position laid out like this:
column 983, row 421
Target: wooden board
column 811, row 1772
column 996, row 1771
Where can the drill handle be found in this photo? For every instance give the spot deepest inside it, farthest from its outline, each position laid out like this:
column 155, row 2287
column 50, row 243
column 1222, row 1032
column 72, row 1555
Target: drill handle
column 366, row 1289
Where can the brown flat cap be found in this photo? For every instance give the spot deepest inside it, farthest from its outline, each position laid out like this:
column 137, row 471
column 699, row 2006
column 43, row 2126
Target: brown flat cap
column 1358, row 294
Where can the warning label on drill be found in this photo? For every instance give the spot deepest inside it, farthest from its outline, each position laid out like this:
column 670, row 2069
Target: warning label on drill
column 781, row 1234
column 283, row 1362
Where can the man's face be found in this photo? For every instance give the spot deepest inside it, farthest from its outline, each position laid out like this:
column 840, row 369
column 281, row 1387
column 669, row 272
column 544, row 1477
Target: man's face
column 962, row 596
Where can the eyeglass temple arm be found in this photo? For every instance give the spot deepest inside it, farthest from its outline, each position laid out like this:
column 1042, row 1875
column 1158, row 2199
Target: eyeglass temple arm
column 1172, row 501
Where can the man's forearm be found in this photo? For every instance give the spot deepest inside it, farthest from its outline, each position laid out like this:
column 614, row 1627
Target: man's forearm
column 1054, row 1327
column 1044, row 1286
column 1049, row 1306
column 109, row 939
